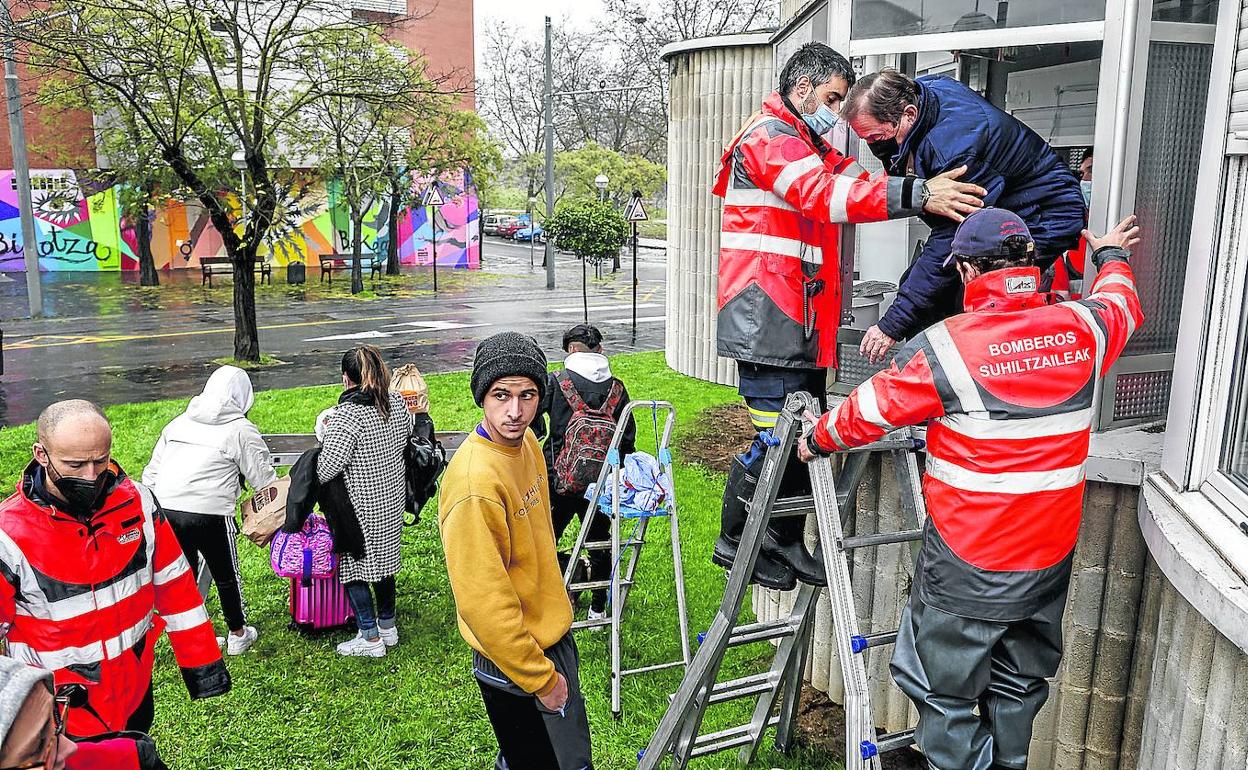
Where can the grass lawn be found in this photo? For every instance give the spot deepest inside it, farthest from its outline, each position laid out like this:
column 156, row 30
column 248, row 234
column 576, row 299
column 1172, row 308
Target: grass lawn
column 296, row 705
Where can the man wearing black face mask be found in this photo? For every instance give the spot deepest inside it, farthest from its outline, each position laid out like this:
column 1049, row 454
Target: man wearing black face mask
column 91, row 574
column 934, row 124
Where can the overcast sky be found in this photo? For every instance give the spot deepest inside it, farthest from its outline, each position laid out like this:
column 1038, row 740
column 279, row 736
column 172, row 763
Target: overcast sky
column 531, row 15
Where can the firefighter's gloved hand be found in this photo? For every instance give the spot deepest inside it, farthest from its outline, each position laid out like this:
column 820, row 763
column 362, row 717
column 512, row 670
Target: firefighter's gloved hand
column 875, row 345
column 1124, row 236
column 947, row 197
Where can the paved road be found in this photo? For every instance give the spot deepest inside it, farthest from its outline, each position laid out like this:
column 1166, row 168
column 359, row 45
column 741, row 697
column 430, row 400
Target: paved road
column 117, row 345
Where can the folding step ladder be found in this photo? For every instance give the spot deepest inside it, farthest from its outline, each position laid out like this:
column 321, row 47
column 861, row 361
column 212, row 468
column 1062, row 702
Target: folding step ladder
column 676, row 737
column 624, row 567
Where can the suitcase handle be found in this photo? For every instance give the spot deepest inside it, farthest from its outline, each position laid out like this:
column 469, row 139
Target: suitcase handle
column 307, row 567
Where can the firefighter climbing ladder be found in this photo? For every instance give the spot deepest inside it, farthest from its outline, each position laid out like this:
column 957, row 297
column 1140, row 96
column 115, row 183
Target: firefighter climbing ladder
column 677, row 738
column 624, row 567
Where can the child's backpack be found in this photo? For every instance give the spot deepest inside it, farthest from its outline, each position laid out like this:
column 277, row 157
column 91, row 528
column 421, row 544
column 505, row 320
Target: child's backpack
column 306, row 554
column 587, row 438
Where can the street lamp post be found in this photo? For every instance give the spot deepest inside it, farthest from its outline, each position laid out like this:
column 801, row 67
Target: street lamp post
column 601, row 181
column 21, row 165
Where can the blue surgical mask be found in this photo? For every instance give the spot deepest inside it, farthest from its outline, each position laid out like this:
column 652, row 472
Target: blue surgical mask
column 1085, row 186
column 821, row 120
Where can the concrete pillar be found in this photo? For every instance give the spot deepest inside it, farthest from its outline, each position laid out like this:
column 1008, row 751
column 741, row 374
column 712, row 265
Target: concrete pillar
column 716, row 83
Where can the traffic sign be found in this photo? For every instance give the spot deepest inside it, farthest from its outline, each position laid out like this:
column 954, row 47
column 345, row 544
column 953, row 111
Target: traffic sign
column 433, row 196
column 635, row 212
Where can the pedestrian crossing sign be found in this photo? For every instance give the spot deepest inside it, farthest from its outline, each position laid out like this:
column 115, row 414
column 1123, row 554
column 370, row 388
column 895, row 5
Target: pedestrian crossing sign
column 433, row 196
column 635, row 211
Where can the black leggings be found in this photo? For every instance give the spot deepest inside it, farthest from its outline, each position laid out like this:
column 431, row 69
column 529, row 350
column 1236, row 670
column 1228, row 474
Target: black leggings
column 214, row 538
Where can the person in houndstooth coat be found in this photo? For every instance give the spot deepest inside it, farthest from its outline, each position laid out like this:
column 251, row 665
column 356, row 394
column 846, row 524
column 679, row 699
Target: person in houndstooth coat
column 364, row 441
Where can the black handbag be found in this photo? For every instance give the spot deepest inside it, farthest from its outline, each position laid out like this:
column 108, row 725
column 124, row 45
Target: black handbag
column 424, row 459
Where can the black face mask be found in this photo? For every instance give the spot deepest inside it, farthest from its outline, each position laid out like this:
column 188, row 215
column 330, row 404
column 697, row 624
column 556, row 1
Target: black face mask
column 884, row 149
column 83, row 497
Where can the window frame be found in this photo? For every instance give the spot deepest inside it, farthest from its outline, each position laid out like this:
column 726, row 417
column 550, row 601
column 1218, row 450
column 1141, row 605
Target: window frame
column 1214, row 305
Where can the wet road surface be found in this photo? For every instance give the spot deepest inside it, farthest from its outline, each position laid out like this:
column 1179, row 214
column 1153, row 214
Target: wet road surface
column 109, row 344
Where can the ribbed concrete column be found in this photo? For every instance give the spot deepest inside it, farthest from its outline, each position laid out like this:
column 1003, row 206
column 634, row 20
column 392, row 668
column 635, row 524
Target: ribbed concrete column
column 1092, row 719
column 1197, row 712
column 716, row 83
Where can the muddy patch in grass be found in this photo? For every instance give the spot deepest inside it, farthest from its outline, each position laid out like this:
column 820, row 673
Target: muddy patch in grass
column 719, row 433
column 821, row 725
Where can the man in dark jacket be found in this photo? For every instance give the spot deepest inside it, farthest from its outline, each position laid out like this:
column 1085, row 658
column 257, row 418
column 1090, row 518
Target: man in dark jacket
column 588, row 371
column 934, row 124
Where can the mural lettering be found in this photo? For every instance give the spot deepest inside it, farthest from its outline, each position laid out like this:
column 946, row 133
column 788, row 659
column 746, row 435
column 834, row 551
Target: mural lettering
column 81, row 229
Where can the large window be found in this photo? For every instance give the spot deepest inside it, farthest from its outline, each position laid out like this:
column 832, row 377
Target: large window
column 1234, row 461
column 898, row 18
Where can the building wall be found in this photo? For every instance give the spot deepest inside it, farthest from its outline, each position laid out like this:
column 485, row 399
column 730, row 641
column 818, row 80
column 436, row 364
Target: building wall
column 713, row 91
column 81, row 229
column 1096, row 705
column 442, row 30
column 55, row 138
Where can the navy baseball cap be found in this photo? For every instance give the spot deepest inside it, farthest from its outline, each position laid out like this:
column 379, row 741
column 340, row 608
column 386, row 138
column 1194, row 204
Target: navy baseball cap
column 990, row 232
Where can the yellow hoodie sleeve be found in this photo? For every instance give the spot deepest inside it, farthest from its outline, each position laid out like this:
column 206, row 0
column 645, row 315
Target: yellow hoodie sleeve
column 476, row 542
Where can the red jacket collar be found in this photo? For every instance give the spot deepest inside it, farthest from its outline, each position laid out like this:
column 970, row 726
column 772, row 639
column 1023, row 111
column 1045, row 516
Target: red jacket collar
column 1015, row 288
column 773, row 106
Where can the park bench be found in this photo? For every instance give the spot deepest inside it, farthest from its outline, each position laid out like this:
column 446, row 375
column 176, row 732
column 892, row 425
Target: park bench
column 210, row 265
column 285, row 448
column 334, row 262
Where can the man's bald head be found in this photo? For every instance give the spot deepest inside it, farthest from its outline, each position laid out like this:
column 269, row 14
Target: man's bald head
column 75, row 441
column 72, row 414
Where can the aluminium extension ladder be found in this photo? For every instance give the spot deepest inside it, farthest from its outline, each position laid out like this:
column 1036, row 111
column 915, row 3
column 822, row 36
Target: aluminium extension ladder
column 676, row 738
column 624, row 567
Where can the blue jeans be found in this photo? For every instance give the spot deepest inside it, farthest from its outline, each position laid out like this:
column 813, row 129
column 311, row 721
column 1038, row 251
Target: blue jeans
column 362, row 603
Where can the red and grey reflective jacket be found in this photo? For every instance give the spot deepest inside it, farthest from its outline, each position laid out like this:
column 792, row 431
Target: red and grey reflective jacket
column 1009, row 388
column 116, row 751
column 779, row 246
column 89, row 599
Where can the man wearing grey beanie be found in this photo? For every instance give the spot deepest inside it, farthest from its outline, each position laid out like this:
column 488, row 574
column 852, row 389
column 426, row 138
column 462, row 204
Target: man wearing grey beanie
column 494, row 516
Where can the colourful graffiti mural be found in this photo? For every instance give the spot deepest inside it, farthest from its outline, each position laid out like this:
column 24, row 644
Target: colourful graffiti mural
column 81, row 229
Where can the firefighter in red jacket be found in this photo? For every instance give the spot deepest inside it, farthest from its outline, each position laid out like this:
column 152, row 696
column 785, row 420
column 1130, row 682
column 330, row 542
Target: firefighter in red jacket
column 1008, row 391
column 786, row 193
column 91, row 575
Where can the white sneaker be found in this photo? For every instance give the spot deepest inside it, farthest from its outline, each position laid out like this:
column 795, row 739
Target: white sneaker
column 220, row 642
column 389, row 636
column 363, row 648
column 237, row 645
column 596, row 615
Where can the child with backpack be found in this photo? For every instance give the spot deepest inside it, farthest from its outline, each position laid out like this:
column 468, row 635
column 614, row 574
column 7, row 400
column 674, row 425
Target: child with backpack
column 583, row 402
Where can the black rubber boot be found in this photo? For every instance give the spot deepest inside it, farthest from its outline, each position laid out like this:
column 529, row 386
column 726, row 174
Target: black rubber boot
column 767, row 572
column 785, row 535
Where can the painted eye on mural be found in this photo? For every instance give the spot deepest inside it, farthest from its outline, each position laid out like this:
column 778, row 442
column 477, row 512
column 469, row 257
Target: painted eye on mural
column 56, row 206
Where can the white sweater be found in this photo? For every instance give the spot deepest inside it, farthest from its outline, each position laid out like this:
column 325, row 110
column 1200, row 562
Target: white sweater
column 200, row 454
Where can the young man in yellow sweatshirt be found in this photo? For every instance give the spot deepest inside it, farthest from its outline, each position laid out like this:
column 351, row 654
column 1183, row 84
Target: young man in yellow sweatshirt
column 494, row 515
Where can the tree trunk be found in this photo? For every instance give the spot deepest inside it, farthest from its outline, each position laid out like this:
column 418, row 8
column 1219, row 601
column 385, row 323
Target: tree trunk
column 243, row 257
column 246, row 333
column 392, row 231
column 357, row 237
column 147, row 263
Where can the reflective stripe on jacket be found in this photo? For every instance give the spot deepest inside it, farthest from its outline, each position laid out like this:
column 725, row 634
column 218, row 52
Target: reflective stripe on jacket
column 89, row 599
column 1009, row 388
column 779, row 259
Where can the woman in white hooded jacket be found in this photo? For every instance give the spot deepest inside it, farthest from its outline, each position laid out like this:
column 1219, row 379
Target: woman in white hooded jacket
column 194, row 473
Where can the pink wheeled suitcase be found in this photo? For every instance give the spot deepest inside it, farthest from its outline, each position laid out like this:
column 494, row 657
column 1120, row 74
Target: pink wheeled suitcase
column 319, row 603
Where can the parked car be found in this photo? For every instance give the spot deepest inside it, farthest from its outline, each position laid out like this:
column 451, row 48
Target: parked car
column 494, row 221
column 527, row 234
column 509, row 229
